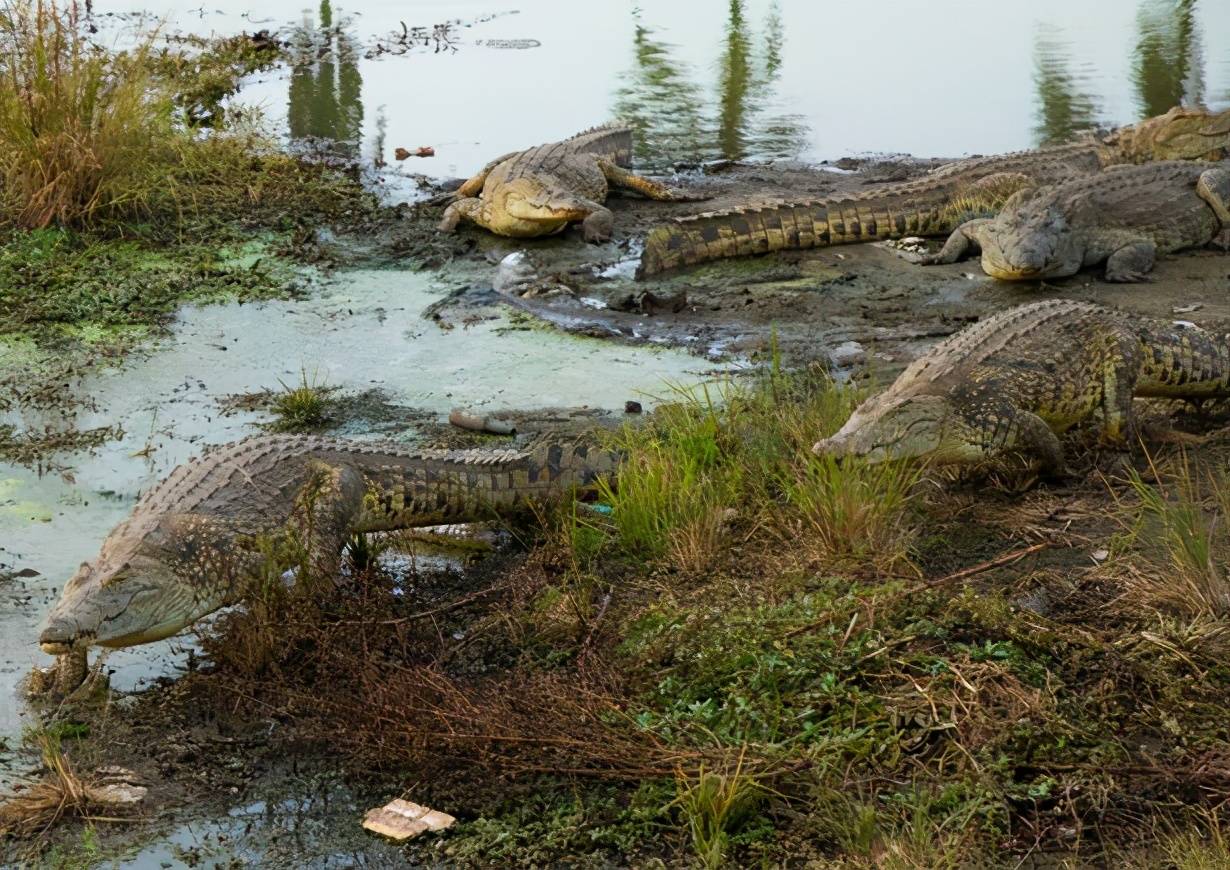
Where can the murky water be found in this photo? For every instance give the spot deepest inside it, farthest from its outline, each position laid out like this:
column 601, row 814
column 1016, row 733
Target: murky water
column 742, row 78
column 360, row 331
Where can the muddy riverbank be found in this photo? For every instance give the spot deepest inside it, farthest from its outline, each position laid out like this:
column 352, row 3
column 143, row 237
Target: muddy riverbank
column 852, row 306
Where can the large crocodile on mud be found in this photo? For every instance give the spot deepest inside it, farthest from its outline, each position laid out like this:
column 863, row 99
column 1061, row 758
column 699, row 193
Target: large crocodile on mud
column 191, row 541
column 1011, row 383
column 933, row 205
column 539, row 191
column 1124, row 216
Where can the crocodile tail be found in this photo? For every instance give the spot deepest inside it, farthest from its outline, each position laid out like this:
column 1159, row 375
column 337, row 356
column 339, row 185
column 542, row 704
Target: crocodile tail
column 614, row 140
column 759, row 229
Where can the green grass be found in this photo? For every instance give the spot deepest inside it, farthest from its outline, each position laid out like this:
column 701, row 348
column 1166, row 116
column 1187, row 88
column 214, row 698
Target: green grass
column 303, row 407
column 726, row 460
column 1184, row 517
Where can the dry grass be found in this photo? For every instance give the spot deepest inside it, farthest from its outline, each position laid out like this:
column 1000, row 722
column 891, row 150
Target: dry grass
column 83, row 132
column 61, row 794
column 1181, row 524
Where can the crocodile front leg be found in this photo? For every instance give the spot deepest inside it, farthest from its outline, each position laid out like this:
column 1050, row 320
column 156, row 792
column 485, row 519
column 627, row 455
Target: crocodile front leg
column 1214, row 188
column 1131, row 263
column 617, row 176
column 467, row 208
column 1029, row 434
column 965, row 241
column 473, row 186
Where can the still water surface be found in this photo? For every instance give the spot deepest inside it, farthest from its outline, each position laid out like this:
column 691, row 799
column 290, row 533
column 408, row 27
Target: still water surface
column 709, row 79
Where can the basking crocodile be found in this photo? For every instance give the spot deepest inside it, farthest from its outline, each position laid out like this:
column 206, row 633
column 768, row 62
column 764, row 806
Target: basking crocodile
column 1009, row 383
column 932, row 205
column 1124, row 216
column 191, row 541
column 539, row 191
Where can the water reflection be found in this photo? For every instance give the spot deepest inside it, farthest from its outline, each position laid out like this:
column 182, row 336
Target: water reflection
column 1169, row 62
column 676, row 122
column 1063, row 110
column 325, row 86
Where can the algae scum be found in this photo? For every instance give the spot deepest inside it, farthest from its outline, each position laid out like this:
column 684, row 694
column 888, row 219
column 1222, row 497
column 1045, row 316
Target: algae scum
column 107, row 383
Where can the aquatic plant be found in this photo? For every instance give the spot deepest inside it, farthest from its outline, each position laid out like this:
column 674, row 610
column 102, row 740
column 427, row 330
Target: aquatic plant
column 302, row 407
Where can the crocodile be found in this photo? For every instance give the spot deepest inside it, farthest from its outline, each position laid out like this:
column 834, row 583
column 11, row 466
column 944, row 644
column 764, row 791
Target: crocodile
column 1124, row 216
column 191, row 541
column 540, row 191
column 1010, row 384
column 933, row 205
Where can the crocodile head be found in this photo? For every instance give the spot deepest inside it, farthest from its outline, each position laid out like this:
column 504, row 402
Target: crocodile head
column 911, row 427
column 525, row 207
column 1180, row 134
column 1030, row 241
column 120, row 600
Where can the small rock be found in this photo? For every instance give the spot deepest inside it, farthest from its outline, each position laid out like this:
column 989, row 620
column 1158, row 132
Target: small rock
column 653, row 303
column 1187, row 309
column 848, row 353
column 632, row 407
column 1100, row 555
column 403, row 820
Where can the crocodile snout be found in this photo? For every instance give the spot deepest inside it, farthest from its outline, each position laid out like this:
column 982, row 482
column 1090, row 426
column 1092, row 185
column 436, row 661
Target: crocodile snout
column 60, row 636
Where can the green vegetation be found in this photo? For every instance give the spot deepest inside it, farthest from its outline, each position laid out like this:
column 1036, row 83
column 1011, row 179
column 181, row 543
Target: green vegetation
column 302, row 408
column 845, row 664
column 117, row 205
column 728, row 461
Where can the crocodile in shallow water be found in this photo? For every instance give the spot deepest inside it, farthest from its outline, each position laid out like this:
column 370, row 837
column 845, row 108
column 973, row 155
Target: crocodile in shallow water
column 1124, row 216
column 1008, row 384
column 539, row 191
column 190, row 542
column 933, row 204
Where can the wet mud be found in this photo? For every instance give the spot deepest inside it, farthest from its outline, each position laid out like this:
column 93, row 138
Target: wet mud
column 854, row 306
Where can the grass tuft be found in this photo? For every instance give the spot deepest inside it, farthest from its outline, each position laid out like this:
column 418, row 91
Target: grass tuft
column 302, row 408
column 726, row 461
column 714, row 805
column 1185, row 518
column 83, row 132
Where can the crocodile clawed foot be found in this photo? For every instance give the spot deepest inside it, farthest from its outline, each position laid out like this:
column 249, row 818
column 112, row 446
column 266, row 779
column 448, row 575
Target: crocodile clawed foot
column 70, row 679
column 1127, row 277
column 598, row 228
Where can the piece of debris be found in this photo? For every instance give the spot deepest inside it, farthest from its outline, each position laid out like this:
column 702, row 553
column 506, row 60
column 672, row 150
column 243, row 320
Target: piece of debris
column 403, row 820
column 910, row 244
column 1187, row 309
column 632, row 407
column 465, row 420
column 1100, row 555
column 116, row 786
column 425, row 151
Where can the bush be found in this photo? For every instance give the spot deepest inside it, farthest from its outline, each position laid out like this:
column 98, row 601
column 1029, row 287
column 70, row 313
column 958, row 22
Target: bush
column 84, row 132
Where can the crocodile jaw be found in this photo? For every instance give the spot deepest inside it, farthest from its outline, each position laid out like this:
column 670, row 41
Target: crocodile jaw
column 140, row 601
